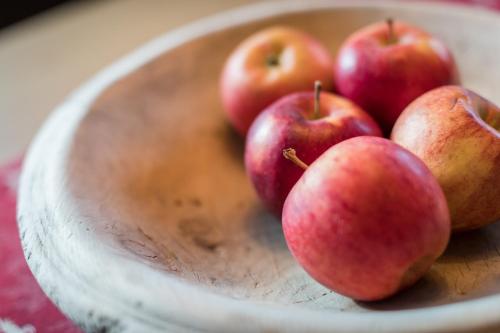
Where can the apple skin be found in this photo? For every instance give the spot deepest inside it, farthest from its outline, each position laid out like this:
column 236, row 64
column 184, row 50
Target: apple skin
column 382, row 77
column 366, row 219
column 289, row 122
column 444, row 128
column 249, row 83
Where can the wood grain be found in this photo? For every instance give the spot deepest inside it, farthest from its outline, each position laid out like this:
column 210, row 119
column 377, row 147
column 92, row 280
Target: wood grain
column 136, row 214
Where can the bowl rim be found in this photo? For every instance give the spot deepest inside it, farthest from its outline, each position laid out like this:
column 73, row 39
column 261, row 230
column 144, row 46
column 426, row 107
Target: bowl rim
column 92, row 301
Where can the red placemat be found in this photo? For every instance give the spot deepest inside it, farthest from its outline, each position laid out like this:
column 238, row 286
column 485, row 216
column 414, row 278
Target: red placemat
column 23, row 305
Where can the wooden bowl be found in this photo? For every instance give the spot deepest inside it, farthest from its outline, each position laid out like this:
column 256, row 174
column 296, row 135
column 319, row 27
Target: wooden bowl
column 136, row 214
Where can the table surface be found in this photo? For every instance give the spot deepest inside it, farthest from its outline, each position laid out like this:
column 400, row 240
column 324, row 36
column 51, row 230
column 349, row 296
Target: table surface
column 44, row 58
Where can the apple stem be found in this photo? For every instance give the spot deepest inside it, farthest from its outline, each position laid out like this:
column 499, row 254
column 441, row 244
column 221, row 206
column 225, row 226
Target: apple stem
column 290, row 154
column 317, row 93
column 391, row 36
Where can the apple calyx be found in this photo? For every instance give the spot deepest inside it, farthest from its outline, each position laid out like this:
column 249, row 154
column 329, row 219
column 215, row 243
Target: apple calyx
column 273, row 60
column 291, row 154
column 391, row 36
column 317, row 94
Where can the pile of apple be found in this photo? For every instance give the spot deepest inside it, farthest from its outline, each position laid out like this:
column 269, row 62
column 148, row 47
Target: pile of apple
column 364, row 215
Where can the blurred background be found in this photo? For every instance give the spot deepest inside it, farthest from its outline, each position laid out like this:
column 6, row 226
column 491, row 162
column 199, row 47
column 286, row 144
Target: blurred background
column 49, row 47
column 21, row 10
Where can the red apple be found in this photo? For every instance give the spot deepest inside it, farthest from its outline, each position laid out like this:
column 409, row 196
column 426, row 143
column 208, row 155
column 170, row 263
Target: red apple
column 385, row 66
column 268, row 65
column 457, row 134
column 308, row 124
column 366, row 219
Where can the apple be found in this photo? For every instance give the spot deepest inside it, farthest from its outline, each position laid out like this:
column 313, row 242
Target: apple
column 309, row 121
column 456, row 133
column 268, row 65
column 385, row 66
column 366, row 219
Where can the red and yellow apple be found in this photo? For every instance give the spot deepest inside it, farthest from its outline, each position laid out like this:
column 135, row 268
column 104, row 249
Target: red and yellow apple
column 457, row 134
column 309, row 124
column 366, row 219
column 385, row 66
column 268, row 65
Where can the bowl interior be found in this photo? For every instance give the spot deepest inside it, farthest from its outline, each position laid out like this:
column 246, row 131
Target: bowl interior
column 157, row 158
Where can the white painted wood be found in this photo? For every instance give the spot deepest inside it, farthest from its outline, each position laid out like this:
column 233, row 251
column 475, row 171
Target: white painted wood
column 136, row 215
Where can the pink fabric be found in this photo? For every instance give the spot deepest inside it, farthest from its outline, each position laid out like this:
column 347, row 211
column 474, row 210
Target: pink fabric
column 22, row 302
